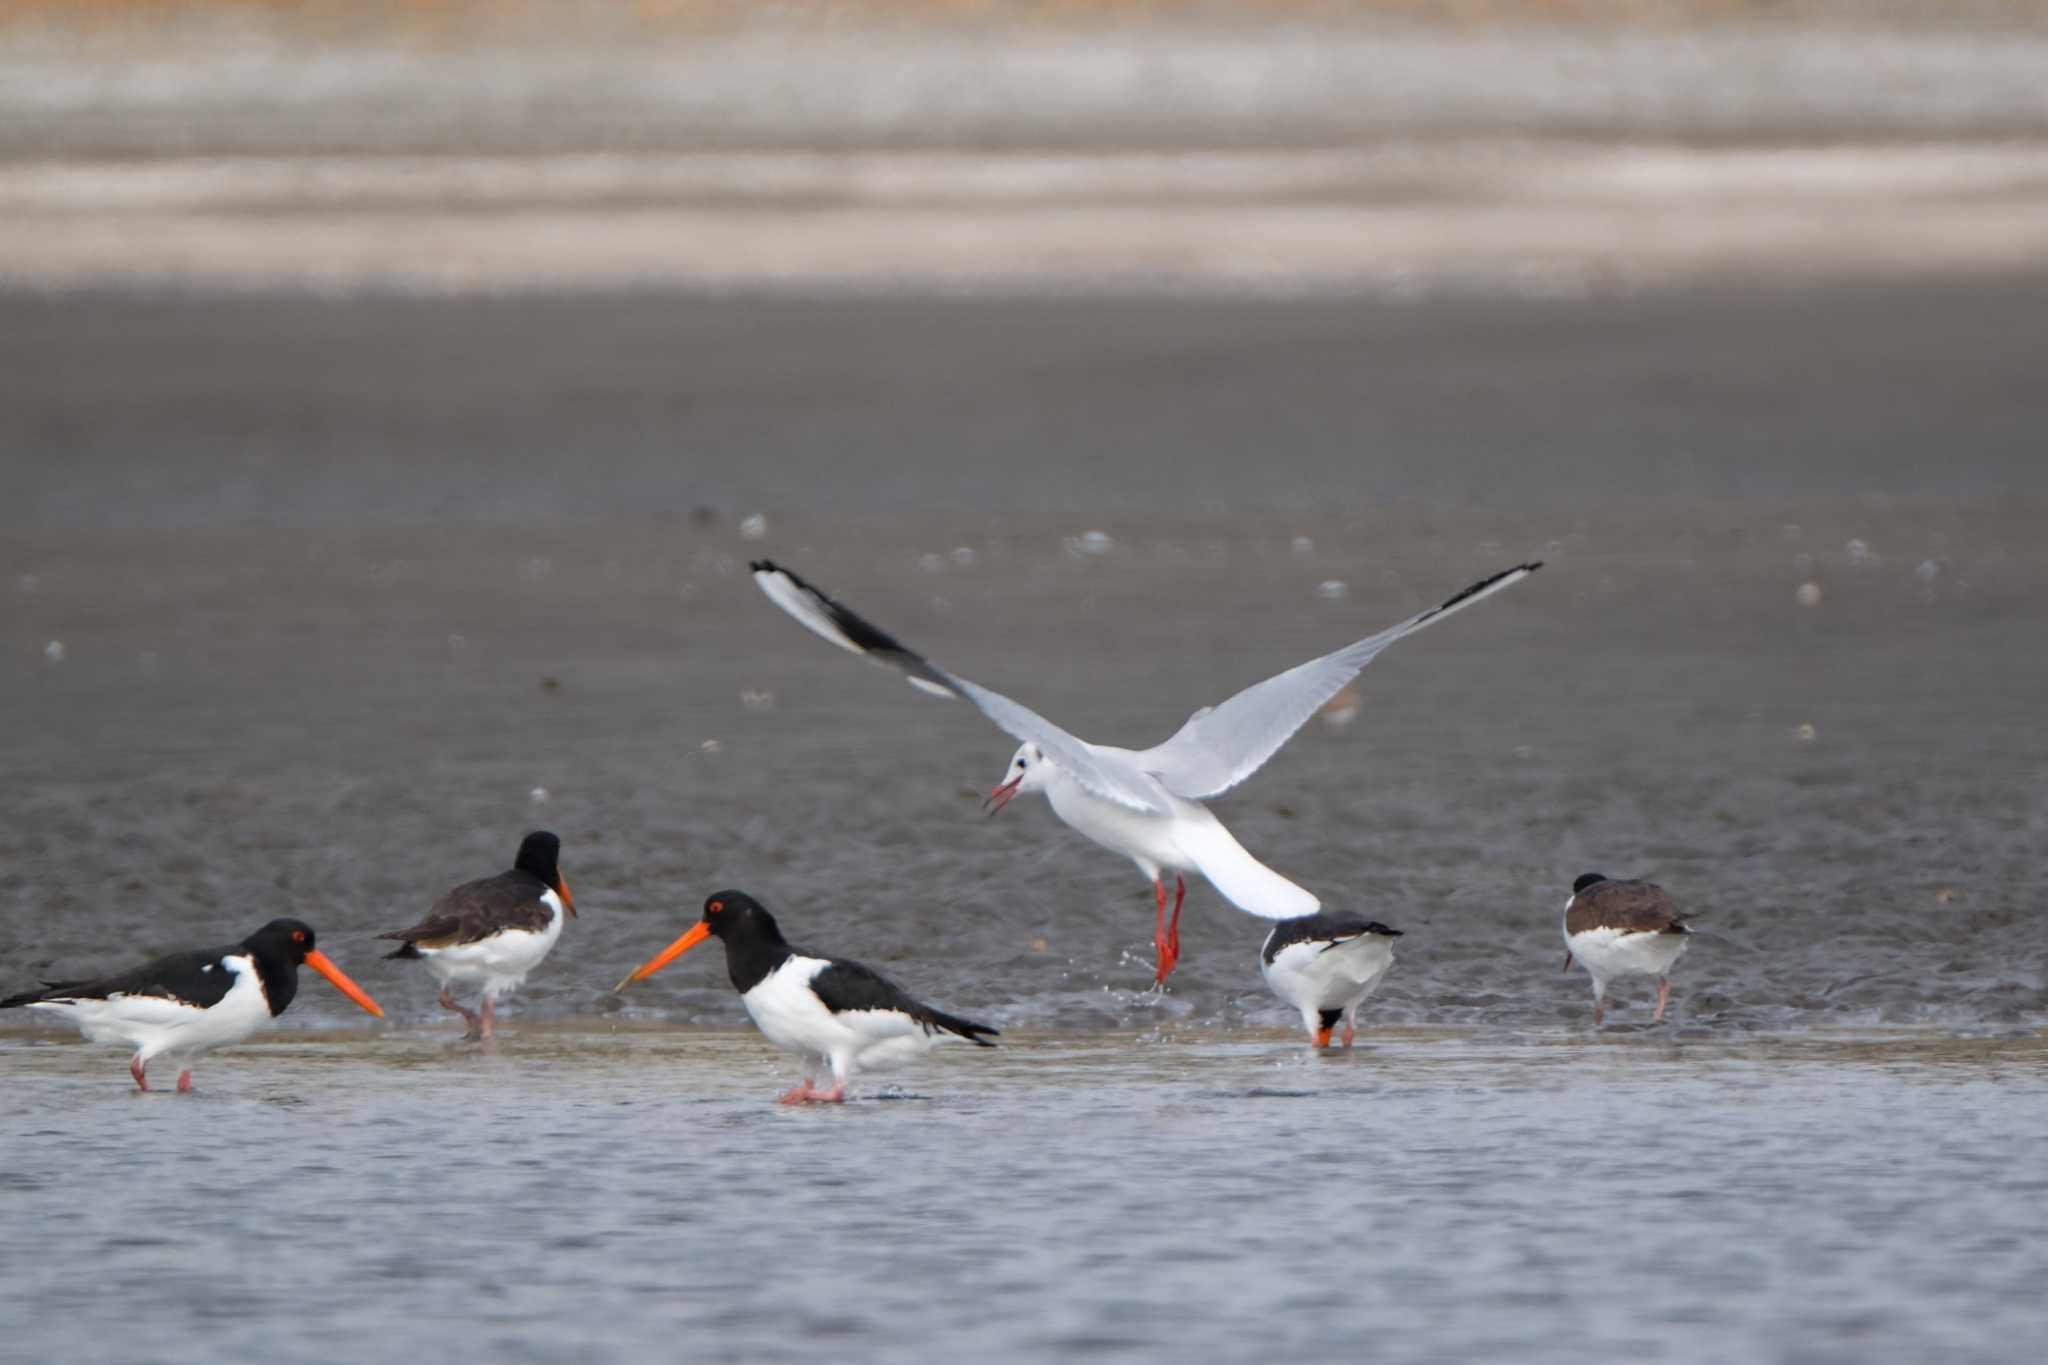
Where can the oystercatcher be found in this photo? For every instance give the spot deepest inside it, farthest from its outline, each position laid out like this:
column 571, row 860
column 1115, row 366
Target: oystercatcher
column 1325, row 966
column 848, row 1016
column 1145, row 804
column 188, row 1003
column 1623, row 929
column 494, row 931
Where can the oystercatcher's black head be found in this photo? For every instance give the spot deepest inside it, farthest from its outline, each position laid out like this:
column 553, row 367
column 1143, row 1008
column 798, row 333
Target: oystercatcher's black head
column 1589, row 879
column 731, row 916
column 279, row 947
column 540, row 854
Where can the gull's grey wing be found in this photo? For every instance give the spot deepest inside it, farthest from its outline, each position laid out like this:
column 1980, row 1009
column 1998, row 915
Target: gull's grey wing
column 1220, row 746
column 1105, row 775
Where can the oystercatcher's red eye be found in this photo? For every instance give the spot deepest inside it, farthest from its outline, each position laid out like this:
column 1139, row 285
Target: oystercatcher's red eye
column 715, row 906
column 298, row 935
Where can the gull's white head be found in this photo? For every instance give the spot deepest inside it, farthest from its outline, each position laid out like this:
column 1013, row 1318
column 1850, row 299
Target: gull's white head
column 1029, row 768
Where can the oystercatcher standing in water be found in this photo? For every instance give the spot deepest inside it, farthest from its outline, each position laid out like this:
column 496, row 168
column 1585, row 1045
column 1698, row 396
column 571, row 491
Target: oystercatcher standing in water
column 492, row 932
column 1325, row 966
column 846, row 1015
column 1623, row 929
column 188, row 1003
column 1145, row 804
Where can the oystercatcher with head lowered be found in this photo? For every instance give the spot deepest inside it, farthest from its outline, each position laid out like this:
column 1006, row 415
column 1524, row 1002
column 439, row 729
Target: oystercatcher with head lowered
column 1623, row 929
column 491, row 933
column 188, row 1003
column 1325, row 965
column 848, row 1016
column 1145, row 803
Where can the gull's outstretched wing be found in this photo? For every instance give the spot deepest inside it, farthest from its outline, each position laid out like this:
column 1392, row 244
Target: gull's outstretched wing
column 1104, row 774
column 1220, row 746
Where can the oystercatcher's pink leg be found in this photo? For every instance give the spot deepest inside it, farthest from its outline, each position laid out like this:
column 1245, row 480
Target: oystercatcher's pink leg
column 1599, row 1012
column 185, row 1081
column 489, row 1007
column 469, row 1016
column 135, row 1070
column 1663, row 998
column 1349, row 1033
column 1567, row 960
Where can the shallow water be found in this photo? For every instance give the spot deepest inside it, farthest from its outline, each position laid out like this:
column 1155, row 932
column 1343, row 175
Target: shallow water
column 596, row 1195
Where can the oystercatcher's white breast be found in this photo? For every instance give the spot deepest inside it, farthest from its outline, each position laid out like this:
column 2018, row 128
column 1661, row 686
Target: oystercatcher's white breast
column 1609, row 953
column 500, row 961
column 157, row 1025
column 1313, row 975
column 790, row 1015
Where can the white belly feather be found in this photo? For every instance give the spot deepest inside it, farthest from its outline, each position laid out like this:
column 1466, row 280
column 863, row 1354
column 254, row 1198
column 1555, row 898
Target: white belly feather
column 155, row 1026
column 502, row 961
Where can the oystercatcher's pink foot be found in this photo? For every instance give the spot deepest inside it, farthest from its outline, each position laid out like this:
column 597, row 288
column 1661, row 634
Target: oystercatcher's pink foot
column 184, row 1082
column 809, row 1094
column 135, row 1070
column 1349, row 1032
column 469, row 1016
column 1663, row 998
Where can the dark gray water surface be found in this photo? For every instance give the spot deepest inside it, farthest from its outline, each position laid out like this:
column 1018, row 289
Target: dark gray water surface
column 303, row 601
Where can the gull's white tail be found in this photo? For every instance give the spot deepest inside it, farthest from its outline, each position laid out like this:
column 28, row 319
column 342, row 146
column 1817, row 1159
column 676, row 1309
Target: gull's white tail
column 1238, row 877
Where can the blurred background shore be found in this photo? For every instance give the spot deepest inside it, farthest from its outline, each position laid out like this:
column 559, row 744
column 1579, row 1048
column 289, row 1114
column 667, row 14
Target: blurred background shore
column 1537, row 146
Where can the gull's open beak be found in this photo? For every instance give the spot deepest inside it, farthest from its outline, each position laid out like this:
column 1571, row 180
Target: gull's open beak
column 1002, row 795
column 562, row 890
column 699, row 931
column 317, row 960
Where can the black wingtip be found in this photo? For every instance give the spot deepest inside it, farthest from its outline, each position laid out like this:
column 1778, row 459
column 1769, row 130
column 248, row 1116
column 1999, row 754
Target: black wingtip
column 1377, row 928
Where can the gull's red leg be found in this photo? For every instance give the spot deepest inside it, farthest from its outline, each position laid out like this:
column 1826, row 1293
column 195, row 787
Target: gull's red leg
column 1162, row 947
column 1180, row 893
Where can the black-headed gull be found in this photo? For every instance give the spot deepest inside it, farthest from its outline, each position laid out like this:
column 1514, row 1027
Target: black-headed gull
column 1144, row 803
column 1325, row 966
column 493, row 932
column 193, row 1002
column 1623, row 929
column 848, row 1016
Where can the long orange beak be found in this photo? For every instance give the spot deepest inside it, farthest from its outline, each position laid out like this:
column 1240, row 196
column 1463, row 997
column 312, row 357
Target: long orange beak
column 698, row 933
column 562, row 890
column 317, row 960
column 1001, row 796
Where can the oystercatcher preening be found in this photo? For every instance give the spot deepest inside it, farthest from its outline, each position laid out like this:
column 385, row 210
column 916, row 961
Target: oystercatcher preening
column 852, row 1018
column 188, row 1003
column 1145, row 804
column 492, row 932
column 1325, row 966
column 1623, row 929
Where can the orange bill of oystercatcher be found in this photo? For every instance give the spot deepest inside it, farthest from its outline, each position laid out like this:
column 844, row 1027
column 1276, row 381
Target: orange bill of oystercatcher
column 193, row 1002
column 848, row 1016
column 1325, row 965
column 491, row 933
column 1618, row 929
